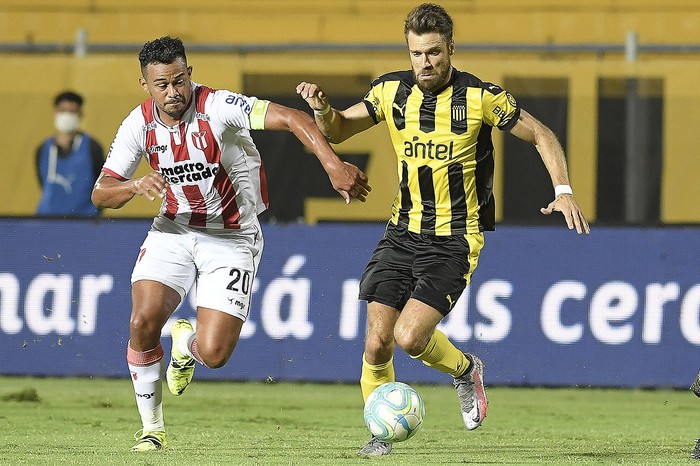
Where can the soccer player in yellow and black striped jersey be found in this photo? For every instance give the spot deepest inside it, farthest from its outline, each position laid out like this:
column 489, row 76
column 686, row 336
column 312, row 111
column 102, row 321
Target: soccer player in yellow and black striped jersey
column 440, row 121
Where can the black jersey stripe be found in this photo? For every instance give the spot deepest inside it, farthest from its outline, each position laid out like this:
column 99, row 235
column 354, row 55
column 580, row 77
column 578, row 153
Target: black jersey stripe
column 398, row 108
column 405, row 191
column 483, row 177
column 427, row 113
column 458, row 198
column 427, row 194
column 458, row 109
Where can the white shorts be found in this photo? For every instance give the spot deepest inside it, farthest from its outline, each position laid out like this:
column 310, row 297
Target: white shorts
column 222, row 265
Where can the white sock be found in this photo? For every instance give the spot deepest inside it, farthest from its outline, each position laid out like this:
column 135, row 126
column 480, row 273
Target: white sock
column 184, row 345
column 146, row 371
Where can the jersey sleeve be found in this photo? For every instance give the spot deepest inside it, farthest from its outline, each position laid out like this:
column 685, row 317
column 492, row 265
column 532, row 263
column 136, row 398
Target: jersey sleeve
column 127, row 149
column 374, row 101
column 239, row 111
column 500, row 109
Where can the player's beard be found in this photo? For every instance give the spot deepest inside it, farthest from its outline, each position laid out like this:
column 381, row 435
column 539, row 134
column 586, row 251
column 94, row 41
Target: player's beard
column 437, row 81
column 175, row 111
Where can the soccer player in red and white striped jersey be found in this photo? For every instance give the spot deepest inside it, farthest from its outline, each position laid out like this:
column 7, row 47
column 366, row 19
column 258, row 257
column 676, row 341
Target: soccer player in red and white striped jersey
column 210, row 178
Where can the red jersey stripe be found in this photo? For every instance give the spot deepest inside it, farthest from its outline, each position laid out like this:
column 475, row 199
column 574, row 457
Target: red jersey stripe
column 198, row 216
column 179, row 148
column 229, row 212
column 181, row 153
column 212, row 151
column 171, row 203
column 151, row 140
column 202, row 94
column 263, row 185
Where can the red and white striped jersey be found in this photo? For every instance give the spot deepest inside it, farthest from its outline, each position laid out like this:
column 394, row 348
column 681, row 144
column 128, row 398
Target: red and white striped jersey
column 214, row 171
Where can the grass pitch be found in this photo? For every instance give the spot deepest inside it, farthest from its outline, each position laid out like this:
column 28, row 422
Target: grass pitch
column 91, row 421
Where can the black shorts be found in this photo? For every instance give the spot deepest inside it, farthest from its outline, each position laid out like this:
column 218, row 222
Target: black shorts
column 432, row 269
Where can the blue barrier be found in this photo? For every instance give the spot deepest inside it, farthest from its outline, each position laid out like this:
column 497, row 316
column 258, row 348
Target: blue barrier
column 620, row 307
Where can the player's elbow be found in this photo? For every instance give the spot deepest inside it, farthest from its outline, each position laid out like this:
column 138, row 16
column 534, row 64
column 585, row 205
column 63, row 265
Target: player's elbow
column 97, row 198
column 106, row 194
column 103, row 200
column 286, row 118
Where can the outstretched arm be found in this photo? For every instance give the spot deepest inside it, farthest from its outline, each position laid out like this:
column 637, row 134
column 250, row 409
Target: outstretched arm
column 346, row 178
column 529, row 129
column 336, row 125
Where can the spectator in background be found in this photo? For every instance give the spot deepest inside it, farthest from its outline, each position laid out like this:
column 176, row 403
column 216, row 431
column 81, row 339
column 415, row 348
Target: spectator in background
column 68, row 163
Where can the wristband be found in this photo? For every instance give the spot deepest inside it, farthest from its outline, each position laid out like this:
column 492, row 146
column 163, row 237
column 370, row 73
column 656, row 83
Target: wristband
column 562, row 189
column 323, row 111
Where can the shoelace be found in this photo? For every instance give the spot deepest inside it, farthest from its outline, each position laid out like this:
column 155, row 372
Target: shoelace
column 464, row 389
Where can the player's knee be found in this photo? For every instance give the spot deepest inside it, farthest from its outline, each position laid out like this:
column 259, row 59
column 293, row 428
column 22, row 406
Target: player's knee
column 409, row 340
column 215, row 357
column 215, row 362
column 143, row 326
column 378, row 347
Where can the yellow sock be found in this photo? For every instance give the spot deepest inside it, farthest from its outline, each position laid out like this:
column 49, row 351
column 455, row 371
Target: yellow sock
column 375, row 375
column 442, row 355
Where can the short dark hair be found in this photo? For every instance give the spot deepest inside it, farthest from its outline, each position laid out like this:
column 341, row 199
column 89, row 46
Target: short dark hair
column 68, row 96
column 429, row 17
column 163, row 50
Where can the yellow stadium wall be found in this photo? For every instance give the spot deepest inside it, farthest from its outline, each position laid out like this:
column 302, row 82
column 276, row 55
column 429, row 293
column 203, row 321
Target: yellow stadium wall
column 346, row 21
column 109, row 81
column 110, row 86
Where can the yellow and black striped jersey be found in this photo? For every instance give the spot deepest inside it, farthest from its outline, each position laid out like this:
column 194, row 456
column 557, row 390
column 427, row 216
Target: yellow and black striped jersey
column 444, row 149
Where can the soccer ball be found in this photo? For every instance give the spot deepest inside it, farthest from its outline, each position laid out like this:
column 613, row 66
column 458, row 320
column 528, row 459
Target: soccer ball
column 394, row 412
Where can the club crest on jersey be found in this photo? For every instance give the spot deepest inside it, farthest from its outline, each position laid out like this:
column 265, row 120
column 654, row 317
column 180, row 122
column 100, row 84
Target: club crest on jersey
column 199, row 140
column 459, row 112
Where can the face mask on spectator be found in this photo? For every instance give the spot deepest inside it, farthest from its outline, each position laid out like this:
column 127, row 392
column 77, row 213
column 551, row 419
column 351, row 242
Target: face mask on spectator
column 67, row 122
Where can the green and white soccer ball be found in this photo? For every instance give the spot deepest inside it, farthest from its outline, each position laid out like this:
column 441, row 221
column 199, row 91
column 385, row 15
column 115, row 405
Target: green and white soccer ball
column 394, row 412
